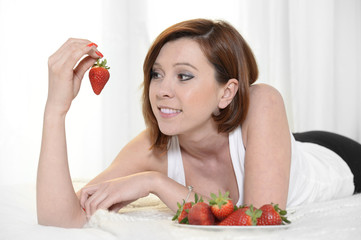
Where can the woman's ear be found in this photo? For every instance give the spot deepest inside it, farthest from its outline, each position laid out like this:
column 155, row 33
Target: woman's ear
column 229, row 91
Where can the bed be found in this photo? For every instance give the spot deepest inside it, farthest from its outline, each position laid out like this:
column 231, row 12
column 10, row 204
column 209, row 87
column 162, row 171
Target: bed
column 149, row 218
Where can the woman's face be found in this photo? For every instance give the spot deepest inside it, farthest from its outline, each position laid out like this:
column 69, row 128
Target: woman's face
column 183, row 90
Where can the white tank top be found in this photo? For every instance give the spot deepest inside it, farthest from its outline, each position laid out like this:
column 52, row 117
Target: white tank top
column 317, row 173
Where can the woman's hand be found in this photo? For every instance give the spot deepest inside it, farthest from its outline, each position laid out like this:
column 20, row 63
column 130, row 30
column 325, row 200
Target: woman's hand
column 116, row 193
column 65, row 76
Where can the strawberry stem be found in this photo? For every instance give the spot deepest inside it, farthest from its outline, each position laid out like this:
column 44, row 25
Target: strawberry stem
column 254, row 214
column 102, row 64
column 219, row 200
column 282, row 213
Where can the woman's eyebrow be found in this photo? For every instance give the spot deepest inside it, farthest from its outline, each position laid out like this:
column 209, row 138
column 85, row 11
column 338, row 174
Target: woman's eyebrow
column 177, row 64
column 156, row 64
column 186, row 64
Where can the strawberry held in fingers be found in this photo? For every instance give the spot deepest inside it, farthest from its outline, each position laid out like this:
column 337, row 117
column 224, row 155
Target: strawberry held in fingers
column 99, row 76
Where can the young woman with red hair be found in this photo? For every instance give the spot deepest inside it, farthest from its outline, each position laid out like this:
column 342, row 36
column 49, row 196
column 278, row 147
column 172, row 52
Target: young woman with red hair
column 208, row 126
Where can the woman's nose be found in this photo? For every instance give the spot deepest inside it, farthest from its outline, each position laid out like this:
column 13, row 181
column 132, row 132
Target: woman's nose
column 166, row 88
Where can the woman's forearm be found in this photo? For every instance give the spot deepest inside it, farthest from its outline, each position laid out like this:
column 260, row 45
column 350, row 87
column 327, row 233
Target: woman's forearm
column 171, row 192
column 57, row 203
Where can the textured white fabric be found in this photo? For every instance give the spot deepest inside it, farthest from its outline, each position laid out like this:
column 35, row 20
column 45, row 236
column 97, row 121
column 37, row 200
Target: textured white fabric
column 148, row 218
column 18, row 219
column 317, row 173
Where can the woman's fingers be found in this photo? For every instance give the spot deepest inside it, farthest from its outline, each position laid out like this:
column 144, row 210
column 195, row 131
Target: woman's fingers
column 91, row 205
column 117, row 206
column 72, row 51
column 75, row 51
column 88, row 195
column 68, row 46
column 84, row 65
column 93, row 197
column 109, row 201
column 100, row 197
column 85, row 193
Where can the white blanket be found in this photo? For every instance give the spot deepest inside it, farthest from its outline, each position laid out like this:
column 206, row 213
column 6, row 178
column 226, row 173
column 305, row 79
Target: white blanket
column 149, row 218
column 18, row 219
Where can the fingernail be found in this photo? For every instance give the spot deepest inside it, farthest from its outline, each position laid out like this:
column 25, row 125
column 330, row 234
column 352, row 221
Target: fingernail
column 92, row 44
column 99, row 54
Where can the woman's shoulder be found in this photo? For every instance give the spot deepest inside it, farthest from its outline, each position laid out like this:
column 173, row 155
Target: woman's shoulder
column 266, row 106
column 262, row 93
column 140, row 152
column 263, row 98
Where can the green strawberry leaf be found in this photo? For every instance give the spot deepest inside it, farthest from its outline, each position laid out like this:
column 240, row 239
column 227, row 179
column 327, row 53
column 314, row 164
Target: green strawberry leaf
column 184, row 220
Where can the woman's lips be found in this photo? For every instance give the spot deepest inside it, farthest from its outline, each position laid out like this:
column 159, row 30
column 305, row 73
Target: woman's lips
column 169, row 112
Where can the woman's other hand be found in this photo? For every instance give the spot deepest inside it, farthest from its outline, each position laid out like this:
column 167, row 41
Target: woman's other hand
column 116, row 193
column 67, row 67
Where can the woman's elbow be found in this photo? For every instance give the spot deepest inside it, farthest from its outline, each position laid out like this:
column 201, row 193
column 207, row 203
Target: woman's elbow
column 61, row 221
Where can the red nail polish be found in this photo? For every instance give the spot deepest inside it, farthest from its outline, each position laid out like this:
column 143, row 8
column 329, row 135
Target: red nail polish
column 99, row 54
column 92, row 44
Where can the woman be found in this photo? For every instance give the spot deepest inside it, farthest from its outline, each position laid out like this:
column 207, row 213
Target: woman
column 208, row 126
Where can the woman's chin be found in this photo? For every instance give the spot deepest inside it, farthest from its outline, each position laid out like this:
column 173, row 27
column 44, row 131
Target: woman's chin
column 168, row 130
column 168, row 133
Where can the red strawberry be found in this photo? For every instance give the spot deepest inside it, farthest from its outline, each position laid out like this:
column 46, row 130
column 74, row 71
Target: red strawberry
column 99, row 76
column 183, row 209
column 272, row 215
column 200, row 214
column 246, row 216
column 221, row 206
column 182, row 213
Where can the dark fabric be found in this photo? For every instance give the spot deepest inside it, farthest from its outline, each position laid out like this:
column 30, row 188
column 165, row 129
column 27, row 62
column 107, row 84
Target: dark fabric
column 348, row 149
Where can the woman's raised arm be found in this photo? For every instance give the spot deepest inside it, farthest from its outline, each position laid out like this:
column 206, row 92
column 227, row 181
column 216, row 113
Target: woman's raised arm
column 57, row 203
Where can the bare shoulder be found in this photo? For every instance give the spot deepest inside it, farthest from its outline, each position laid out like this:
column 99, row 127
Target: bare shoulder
column 139, row 155
column 263, row 99
column 266, row 109
column 263, row 95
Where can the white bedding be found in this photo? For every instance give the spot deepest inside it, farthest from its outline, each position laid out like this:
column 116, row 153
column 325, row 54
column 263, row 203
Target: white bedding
column 18, row 218
column 148, row 218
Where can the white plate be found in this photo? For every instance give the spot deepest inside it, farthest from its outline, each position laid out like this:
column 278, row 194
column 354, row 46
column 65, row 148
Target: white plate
column 219, row 228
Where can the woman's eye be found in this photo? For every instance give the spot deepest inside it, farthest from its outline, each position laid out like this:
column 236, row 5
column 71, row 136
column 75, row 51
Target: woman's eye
column 185, row 77
column 155, row 75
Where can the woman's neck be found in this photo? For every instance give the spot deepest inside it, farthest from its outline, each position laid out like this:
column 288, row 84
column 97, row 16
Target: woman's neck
column 203, row 145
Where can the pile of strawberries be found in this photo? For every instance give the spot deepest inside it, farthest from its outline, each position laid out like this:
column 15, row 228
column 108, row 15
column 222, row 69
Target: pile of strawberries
column 221, row 211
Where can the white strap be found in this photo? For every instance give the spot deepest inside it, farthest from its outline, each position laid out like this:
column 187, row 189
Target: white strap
column 175, row 162
column 237, row 152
